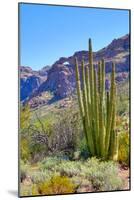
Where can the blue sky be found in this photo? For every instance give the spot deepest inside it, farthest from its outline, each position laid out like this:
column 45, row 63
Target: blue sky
column 50, row 32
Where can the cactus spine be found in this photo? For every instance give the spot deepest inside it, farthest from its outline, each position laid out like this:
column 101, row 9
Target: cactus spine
column 97, row 108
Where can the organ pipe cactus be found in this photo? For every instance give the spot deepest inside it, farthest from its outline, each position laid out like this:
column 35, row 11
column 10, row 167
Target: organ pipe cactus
column 97, row 108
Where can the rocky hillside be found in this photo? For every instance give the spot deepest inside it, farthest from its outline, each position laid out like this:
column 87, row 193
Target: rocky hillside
column 31, row 80
column 60, row 78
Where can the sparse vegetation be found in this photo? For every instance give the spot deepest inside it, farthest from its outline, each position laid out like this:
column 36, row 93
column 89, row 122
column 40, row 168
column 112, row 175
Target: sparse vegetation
column 70, row 176
column 56, row 156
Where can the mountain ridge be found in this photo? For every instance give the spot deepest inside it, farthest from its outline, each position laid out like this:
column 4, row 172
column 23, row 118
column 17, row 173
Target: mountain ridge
column 60, row 77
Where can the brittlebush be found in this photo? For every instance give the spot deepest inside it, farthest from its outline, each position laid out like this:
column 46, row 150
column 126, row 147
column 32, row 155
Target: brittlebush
column 57, row 185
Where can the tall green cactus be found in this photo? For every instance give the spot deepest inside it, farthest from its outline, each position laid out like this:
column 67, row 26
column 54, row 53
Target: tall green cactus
column 97, row 108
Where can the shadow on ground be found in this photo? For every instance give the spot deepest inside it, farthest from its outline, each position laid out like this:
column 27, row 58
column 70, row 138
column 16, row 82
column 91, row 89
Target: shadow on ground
column 13, row 192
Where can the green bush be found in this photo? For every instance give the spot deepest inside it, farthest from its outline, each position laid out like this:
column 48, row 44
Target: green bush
column 56, row 185
column 39, row 176
column 37, row 151
column 84, row 151
column 123, row 156
column 23, row 170
column 122, row 107
column 48, row 137
column 24, row 149
column 68, row 168
column 44, row 125
column 25, row 190
column 28, row 190
column 66, row 133
column 35, row 190
column 122, row 123
column 25, row 115
column 103, row 175
column 49, row 163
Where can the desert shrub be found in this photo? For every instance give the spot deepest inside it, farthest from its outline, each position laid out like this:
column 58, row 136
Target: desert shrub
column 49, row 163
column 28, row 190
column 25, row 190
column 76, row 155
column 39, row 176
column 24, row 149
column 31, row 150
column 103, row 175
column 49, row 137
column 83, row 148
column 23, row 170
column 25, row 116
column 77, row 180
column 35, row 173
column 68, row 168
column 64, row 167
column 82, row 184
column 122, row 124
column 43, row 125
column 123, row 155
column 122, row 107
column 57, row 185
column 46, row 137
column 35, row 190
column 37, row 138
column 123, row 97
column 37, row 151
column 66, row 132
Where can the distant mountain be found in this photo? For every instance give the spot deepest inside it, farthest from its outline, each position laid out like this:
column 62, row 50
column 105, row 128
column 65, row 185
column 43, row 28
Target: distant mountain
column 60, row 77
column 31, row 80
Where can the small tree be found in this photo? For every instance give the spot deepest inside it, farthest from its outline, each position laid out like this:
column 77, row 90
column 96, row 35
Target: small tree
column 25, row 116
column 24, row 137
